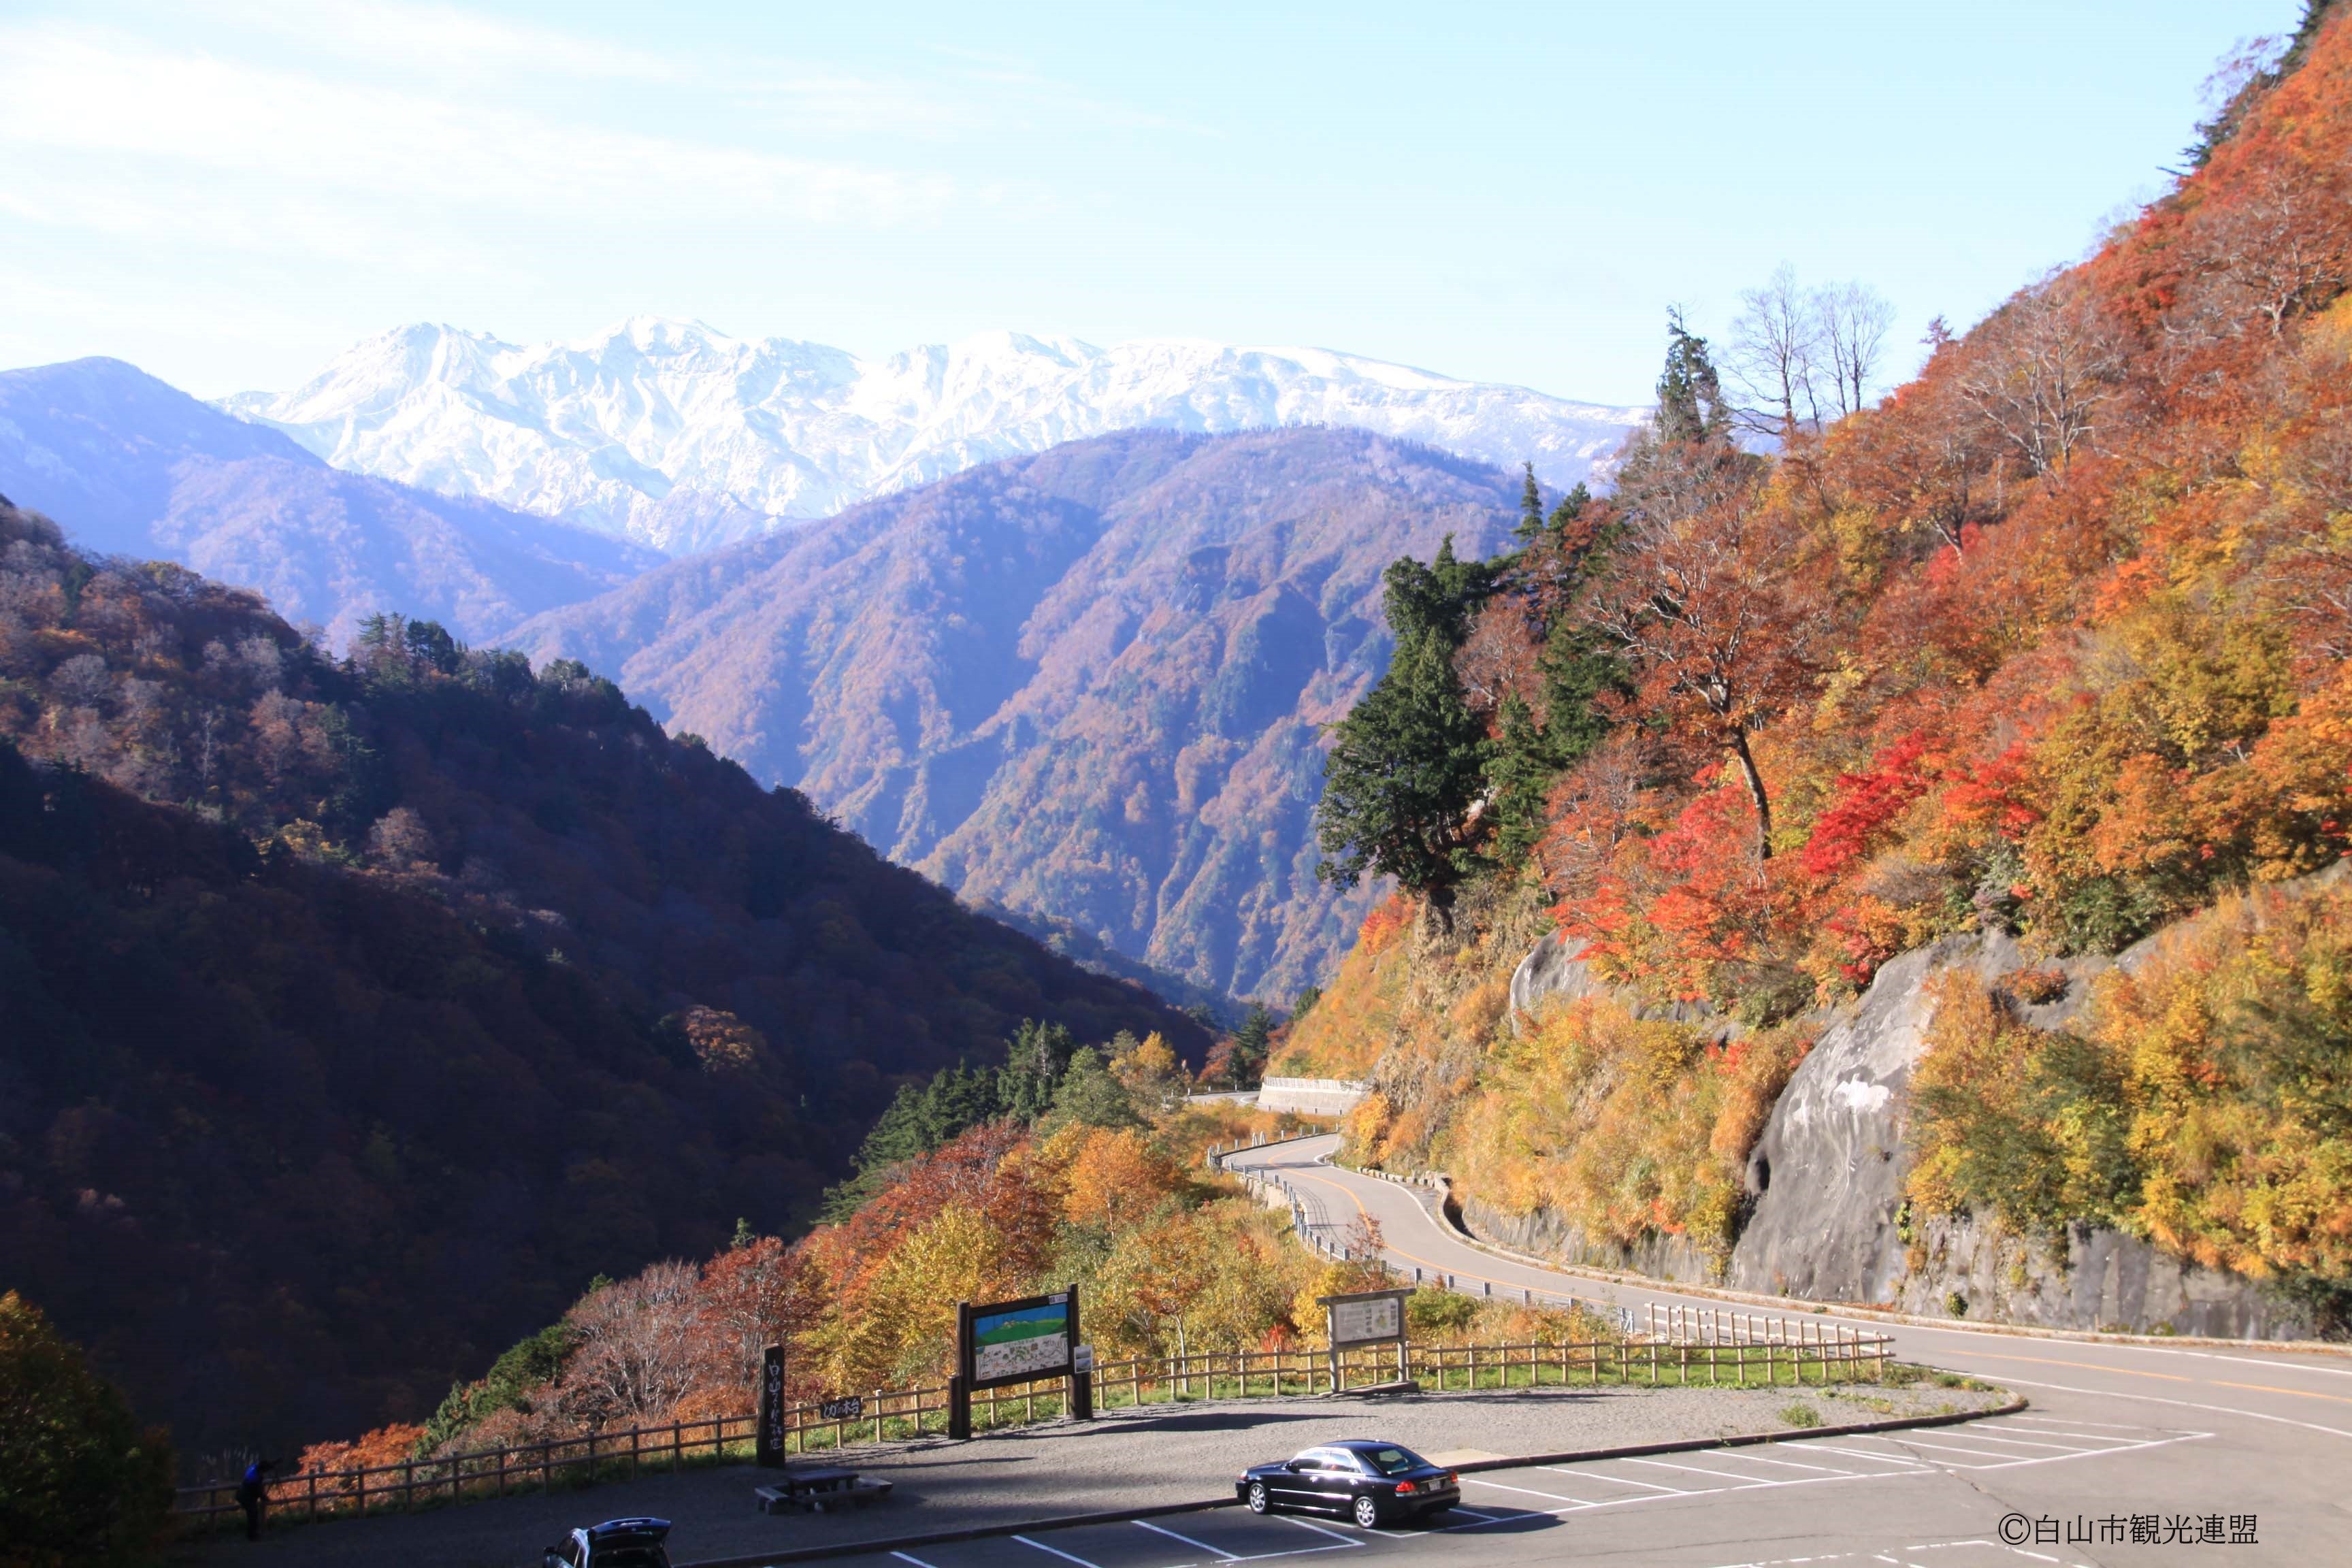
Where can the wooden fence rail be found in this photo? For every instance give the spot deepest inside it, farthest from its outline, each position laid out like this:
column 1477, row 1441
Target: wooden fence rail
column 889, row 1414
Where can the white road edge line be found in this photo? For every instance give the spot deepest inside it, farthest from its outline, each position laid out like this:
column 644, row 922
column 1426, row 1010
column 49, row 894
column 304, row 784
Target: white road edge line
column 917, row 1562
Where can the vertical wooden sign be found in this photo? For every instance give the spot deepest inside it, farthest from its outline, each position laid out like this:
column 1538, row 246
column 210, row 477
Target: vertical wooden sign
column 768, row 1443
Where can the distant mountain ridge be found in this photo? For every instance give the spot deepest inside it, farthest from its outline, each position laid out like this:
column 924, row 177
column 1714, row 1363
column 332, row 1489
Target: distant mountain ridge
column 138, row 468
column 1087, row 684
column 676, row 435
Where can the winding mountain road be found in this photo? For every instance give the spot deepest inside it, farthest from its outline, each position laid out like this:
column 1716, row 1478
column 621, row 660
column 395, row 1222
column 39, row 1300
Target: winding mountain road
column 2193, row 1434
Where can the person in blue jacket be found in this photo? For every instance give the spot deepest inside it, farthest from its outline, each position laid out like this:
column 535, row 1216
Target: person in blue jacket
column 253, row 1495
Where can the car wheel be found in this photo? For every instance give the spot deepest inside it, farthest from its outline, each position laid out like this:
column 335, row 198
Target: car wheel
column 1259, row 1503
column 1368, row 1512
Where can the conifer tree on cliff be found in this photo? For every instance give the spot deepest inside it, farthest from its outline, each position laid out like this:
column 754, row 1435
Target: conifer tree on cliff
column 1408, row 761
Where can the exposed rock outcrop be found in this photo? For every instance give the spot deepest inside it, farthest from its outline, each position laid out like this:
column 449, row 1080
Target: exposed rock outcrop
column 1827, row 1181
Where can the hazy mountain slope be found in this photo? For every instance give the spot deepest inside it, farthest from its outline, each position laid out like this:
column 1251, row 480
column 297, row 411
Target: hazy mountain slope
column 146, row 470
column 685, row 438
column 463, row 985
column 1085, row 683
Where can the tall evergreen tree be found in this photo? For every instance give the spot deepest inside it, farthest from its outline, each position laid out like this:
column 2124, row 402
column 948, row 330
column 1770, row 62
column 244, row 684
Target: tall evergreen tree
column 1570, row 507
column 1035, row 1059
column 1690, row 394
column 1531, row 509
column 1519, row 776
column 1253, row 1042
column 1440, row 597
column 1406, row 764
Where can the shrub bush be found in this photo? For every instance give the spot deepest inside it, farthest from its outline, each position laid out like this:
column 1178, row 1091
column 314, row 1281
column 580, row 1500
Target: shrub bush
column 81, row 1483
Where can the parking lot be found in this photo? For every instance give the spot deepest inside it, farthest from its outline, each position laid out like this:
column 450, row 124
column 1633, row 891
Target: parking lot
column 1670, row 1509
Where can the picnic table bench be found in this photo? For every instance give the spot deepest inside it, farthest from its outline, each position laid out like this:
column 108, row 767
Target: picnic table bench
column 819, row 1490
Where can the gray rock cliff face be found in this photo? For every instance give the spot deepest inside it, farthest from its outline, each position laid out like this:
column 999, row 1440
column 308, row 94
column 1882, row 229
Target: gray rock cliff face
column 1827, row 1175
column 1552, row 969
column 1826, row 1181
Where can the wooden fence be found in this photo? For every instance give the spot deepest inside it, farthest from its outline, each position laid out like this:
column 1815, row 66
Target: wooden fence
column 886, row 1415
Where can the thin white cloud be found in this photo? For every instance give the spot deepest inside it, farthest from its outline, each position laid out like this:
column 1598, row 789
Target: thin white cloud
column 110, row 133
column 443, row 40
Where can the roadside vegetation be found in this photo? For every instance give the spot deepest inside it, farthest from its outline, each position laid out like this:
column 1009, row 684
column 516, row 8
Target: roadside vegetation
column 2056, row 640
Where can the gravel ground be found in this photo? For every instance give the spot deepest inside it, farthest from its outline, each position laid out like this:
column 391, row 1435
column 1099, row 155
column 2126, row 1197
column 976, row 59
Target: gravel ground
column 1160, row 1455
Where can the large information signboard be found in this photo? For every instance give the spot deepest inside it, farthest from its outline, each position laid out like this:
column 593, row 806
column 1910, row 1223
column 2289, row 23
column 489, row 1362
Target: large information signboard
column 1016, row 1341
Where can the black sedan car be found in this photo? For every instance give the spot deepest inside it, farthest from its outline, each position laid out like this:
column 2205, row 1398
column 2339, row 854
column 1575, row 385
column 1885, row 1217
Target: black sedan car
column 1372, row 1483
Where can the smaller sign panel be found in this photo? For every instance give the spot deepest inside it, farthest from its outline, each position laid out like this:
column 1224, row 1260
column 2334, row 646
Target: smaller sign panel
column 1028, row 1341
column 849, row 1408
column 1083, row 1359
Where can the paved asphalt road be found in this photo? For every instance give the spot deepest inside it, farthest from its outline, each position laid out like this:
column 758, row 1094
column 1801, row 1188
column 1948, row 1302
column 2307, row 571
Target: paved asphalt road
column 2186, row 1438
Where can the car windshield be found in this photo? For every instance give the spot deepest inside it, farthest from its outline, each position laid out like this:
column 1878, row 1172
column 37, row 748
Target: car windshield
column 1391, row 1461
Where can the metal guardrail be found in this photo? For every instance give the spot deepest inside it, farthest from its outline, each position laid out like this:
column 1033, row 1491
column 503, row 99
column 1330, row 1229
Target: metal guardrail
column 887, row 1414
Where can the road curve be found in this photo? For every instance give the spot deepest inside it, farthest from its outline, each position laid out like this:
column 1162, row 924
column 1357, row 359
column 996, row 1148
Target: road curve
column 2275, row 1425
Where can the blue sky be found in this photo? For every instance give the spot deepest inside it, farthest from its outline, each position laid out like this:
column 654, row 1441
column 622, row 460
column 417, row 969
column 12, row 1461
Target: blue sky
column 228, row 194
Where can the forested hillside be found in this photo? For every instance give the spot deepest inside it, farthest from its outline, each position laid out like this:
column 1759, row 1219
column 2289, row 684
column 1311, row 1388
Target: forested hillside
column 1087, row 684
column 359, row 1012
column 2053, row 644
column 142, row 468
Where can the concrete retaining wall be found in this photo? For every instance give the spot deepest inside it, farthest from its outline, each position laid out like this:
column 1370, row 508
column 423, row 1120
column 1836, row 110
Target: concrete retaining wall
column 1310, row 1096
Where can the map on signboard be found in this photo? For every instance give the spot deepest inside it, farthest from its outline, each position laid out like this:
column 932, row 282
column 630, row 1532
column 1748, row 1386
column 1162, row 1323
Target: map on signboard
column 1025, row 1340
column 1352, row 1322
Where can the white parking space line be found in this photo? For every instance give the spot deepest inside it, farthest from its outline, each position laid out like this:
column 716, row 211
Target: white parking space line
column 1908, row 1461
column 2091, row 1453
column 1702, row 1470
column 1959, row 1448
column 917, row 1562
column 2056, row 1432
column 1986, row 1434
column 1202, row 1545
column 1756, row 1458
column 1342, row 1540
column 1624, row 1480
column 1556, row 1496
column 1055, row 1552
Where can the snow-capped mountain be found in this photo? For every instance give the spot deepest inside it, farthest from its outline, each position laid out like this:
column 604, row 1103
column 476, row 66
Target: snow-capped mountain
column 684, row 439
